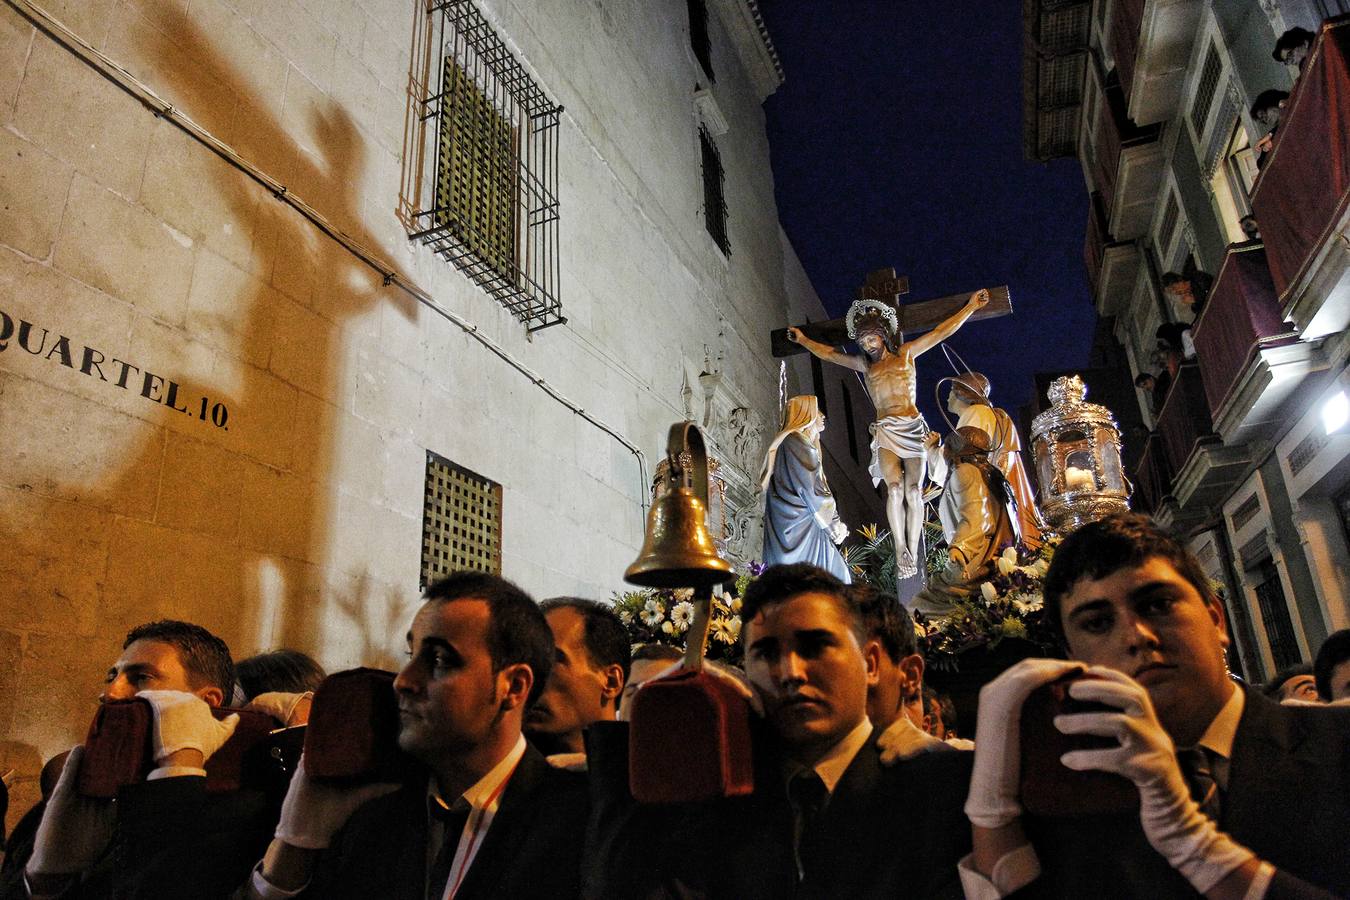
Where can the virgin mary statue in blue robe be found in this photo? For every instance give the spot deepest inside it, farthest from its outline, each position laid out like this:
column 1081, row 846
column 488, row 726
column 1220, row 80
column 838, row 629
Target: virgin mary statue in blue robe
column 801, row 524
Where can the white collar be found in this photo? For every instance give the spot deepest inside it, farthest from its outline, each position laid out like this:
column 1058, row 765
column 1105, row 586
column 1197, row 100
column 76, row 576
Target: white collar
column 1222, row 731
column 483, row 790
column 835, row 762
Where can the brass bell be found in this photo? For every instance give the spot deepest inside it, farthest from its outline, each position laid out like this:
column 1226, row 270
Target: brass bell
column 677, row 550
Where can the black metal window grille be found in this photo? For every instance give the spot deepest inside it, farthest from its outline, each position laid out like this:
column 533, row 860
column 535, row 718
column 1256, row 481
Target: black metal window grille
column 714, row 201
column 699, row 38
column 1342, row 501
column 1275, row 615
column 488, row 196
column 848, row 420
column 461, row 521
column 1167, row 228
column 1205, row 88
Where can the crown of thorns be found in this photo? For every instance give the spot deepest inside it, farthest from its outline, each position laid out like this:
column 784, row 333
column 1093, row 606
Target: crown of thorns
column 870, row 308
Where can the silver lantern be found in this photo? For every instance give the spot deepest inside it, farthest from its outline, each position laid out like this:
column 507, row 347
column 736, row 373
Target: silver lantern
column 1076, row 445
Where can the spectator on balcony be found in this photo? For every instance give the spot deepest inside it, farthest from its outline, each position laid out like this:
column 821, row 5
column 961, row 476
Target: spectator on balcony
column 1266, row 110
column 1190, row 289
column 1250, row 228
column 1155, row 387
column 1293, row 48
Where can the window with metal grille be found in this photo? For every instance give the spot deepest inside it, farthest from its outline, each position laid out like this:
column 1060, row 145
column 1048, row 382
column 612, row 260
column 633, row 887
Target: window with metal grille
column 461, row 521
column 1275, row 615
column 1167, row 228
column 487, row 193
column 714, row 201
column 848, row 420
column 1204, row 90
column 699, row 38
column 1342, row 501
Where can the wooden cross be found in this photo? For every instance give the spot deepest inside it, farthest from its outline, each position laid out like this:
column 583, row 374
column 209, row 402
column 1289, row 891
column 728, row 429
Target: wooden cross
column 884, row 286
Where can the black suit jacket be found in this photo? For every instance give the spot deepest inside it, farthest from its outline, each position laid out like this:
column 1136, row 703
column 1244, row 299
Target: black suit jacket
column 171, row 840
column 887, row 831
column 1287, row 800
column 532, row 848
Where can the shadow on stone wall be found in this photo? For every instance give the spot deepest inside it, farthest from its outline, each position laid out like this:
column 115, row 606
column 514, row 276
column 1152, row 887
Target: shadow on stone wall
column 241, row 534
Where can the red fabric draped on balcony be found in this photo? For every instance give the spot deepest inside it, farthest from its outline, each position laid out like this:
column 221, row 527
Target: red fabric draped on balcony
column 1184, row 420
column 1304, row 185
column 1127, row 18
column 1241, row 316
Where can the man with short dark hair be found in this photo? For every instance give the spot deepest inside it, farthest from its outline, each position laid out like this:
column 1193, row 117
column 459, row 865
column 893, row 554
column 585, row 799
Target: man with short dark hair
column 1239, row 796
column 586, row 682
column 493, row 819
column 1332, row 668
column 165, row 836
column 898, row 691
column 1293, row 683
column 848, row 826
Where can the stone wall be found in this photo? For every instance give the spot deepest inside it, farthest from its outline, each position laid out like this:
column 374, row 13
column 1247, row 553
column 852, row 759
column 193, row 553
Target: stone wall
column 211, row 410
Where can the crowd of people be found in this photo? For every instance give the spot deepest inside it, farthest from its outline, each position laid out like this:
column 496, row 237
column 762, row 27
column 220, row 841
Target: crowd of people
column 513, row 724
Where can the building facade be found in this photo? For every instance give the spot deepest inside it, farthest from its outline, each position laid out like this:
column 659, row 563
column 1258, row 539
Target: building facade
column 1247, row 451
column 302, row 303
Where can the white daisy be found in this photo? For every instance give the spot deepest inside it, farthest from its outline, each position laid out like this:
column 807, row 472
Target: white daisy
column 682, row 614
column 652, row 613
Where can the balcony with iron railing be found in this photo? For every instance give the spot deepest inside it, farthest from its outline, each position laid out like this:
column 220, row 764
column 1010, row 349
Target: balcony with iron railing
column 1204, row 470
column 1302, row 194
column 1152, row 480
column 1251, row 360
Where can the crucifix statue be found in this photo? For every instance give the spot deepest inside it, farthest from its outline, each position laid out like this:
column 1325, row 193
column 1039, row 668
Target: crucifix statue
column 878, row 322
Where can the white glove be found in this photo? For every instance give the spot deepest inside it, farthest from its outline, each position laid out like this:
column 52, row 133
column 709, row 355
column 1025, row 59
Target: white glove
column 74, row 831
column 1188, row 839
column 184, row 721
column 312, row 812
column 282, row 706
column 995, row 783
column 904, row 740
column 839, row 531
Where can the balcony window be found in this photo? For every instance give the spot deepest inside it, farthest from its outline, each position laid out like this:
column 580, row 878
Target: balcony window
column 1232, row 182
column 1275, row 614
column 700, row 40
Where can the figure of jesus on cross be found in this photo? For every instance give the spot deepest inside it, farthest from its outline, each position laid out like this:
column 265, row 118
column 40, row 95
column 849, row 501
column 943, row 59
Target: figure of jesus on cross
column 899, row 435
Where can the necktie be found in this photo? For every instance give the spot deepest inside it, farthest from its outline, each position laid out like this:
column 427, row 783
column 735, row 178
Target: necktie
column 808, row 794
column 1198, row 770
column 452, row 819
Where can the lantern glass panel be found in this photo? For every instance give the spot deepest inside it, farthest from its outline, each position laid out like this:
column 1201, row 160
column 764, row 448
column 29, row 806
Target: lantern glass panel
column 1112, row 475
column 1078, row 471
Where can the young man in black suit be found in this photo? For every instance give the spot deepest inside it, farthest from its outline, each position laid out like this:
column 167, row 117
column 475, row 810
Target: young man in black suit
column 1240, row 797
column 165, row 836
column 492, row 819
column 827, row 818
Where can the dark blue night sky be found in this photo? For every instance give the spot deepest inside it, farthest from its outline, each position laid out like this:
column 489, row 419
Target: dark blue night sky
column 897, row 140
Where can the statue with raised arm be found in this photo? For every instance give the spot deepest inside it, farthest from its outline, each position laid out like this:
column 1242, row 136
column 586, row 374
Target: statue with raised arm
column 899, row 433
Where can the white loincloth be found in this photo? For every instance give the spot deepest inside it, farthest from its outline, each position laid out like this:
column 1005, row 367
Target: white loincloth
column 902, row 435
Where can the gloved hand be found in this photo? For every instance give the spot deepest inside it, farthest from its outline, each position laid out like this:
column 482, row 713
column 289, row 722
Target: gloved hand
column 313, row 812
column 996, row 781
column 74, row 831
column 283, row 707
column 904, row 740
column 184, row 721
column 839, row 531
column 1189, row 840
